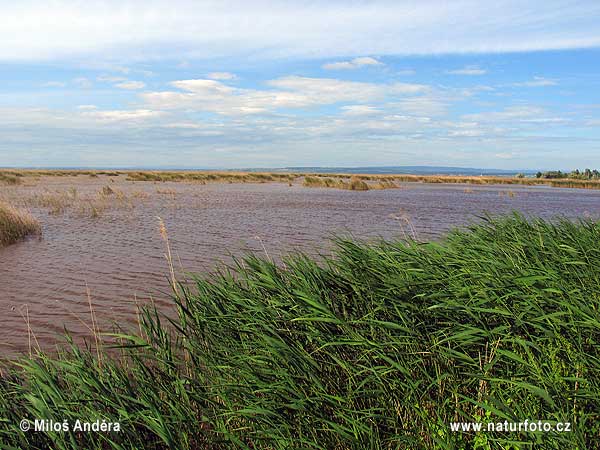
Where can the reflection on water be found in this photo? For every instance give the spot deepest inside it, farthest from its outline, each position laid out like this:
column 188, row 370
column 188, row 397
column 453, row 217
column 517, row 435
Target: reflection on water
column 119, row 256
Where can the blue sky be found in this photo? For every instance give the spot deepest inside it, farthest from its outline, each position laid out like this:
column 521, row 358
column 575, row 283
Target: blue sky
column 269, row 84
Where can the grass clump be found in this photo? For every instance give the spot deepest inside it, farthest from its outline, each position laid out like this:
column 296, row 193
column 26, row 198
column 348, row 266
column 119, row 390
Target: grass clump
column 357, row 184
column 354, row 184
column 310, row 181
column 381, row 346
column 15, row 224
column 384, row 184
column 107, row 190
column 10, row 178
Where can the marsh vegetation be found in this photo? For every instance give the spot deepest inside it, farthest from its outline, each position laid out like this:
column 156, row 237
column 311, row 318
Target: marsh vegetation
column 381, row 345
column 15, row 224
column 587, row 179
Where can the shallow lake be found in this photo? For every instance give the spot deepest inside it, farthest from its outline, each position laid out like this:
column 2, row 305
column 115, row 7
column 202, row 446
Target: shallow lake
column 118, row 256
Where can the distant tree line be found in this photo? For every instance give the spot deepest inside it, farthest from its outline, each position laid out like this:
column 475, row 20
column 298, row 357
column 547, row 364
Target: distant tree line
column 587, row 174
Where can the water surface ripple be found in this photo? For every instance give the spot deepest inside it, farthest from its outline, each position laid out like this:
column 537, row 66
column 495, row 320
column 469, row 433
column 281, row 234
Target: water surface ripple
column 119, row 256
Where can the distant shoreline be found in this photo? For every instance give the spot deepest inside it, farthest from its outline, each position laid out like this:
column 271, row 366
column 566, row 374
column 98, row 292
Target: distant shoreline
column 383, row 170
column 325, row 180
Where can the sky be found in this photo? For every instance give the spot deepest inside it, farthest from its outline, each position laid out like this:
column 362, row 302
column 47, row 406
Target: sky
column 234, row 84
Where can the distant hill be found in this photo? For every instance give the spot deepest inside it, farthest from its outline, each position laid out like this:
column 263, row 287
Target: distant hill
column 414, row 170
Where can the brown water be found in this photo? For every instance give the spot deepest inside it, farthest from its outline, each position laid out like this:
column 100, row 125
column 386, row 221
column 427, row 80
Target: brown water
column 119, row 256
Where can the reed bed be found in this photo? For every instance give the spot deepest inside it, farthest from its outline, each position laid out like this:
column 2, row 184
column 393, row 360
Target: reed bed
column 478, row 180
column 58, row 202
column 206, row 177
column 354, row 184
column 379, row 181
column 15, row 224
column 380, row 346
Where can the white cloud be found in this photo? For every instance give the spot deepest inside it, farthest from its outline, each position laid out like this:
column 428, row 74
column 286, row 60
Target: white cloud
column 331, row 90
column 423, row 106
column 286, row 92
column 54, row 84
column 512, row 113
column 466, row 133
column 185, row 125
column 468, row 70
column 37, row 136
column 121, row 69
column 537, row 82
column 356, row 63
column 87, row 107
column 547, row 120
column 83, row 82
column 505, row 155
column 185, row 29
column 123, row 115
column 513, row 119
column 110, row 79
column 359, row 110
column 131, row 85
column 221, row 76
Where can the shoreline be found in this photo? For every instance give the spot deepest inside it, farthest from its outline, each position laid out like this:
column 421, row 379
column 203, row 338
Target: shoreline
column 15, row 176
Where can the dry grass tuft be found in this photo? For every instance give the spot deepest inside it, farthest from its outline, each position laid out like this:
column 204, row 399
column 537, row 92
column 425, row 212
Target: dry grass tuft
column 310, row 181
column 10, row 178
column 107, row 190
column 355, row 183
column 166, row 191
column 510, row 194
column 384, row 184
column 15, row 224
column 55, row 202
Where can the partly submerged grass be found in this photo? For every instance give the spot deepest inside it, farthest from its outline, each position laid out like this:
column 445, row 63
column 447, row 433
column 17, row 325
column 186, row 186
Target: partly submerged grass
column 58, row 202
column 381, row 346
column 15, row 224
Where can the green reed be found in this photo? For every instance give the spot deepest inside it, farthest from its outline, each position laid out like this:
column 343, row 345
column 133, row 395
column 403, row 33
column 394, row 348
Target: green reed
column 380, row 346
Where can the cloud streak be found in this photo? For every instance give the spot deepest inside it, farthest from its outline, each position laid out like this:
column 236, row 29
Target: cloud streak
column 537, row 82
column 468, row 70
column 131, row 85
column 355, row 63
column 335, row 28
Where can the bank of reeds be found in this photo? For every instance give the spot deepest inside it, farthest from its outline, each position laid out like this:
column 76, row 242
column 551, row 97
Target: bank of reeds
column 381, row 181
column 380, row 347
column 15, row 224
column 206, row 177
column 457, row 179
column 354, row 184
